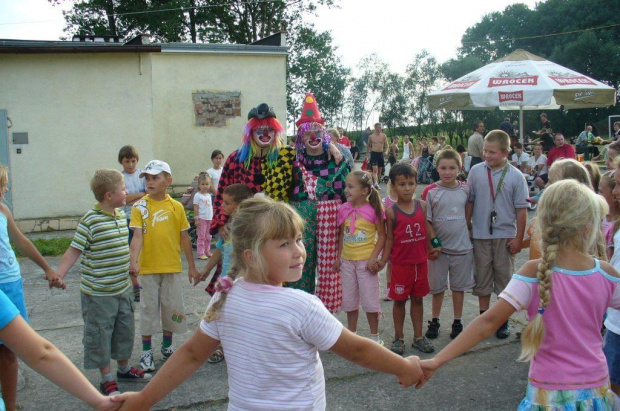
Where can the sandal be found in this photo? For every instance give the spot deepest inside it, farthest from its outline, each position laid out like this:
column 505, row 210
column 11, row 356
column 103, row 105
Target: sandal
column 217, row 356
column 423, row 345
column 398, row 347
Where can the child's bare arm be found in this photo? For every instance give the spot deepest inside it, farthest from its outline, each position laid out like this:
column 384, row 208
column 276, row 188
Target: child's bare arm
column 515, row 244
column 336, row 266
column 196, row 219
column 178, row 368
column 215, row 258
column 469, row 211
column 373, row 264
column 43, row 357
column 389, row 237
column 186, row 245
column 134, row 250
column 371, row 355
column 69, row 258
column 24, row 245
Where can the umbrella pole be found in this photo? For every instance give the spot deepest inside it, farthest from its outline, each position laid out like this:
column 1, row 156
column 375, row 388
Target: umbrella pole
column 521, row 125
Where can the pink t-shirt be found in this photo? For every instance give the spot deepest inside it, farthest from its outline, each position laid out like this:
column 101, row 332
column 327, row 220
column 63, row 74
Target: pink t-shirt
column 570, row 356
column 271, row 336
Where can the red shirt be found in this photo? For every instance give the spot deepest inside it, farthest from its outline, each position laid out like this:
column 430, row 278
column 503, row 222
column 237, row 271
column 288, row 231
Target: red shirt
column 566, row 151
column 344, row 140
column 409, row 246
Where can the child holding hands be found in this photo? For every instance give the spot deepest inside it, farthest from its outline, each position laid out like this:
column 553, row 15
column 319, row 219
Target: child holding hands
column 362, row 236
column 409, row 246
column 285, row 326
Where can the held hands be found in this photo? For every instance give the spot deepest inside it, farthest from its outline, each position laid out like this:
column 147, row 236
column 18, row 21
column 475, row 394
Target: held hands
column 134, row 269
column 194, row 276
column 373, row 266
column 434, row 253
column 107, row 404
column 336, row 266
column 54, row 280
column 412, row 374
column 514, row 246
column 130, row 401
column 429, row 367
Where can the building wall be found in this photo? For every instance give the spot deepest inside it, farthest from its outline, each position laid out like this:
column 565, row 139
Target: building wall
column 177, row 139
column 80, row 109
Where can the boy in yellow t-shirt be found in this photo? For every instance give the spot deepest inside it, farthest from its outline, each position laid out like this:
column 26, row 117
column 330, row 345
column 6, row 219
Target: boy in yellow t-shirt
column 160, row 232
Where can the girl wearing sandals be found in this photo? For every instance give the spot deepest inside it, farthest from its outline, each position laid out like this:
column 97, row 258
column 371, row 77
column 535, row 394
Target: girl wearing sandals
column 285, row 326
column 562, row 340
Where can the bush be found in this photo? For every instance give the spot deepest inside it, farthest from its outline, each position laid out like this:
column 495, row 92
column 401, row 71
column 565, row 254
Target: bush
column 49, row 247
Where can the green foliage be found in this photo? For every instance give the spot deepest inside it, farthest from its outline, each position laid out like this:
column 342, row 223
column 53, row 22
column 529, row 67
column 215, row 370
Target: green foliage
column 50, row 247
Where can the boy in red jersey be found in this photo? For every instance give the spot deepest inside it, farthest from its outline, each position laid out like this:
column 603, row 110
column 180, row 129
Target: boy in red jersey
column 409, row 246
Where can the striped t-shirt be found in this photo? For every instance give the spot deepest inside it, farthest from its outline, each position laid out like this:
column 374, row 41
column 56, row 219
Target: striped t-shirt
column 102, row 239
column 271, row 336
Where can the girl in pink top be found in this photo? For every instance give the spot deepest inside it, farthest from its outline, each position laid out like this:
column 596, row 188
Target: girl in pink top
column 362, row 236
column 566, row 294
column 271, row 334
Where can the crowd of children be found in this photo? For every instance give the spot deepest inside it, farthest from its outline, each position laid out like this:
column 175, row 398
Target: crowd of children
column 462, row 236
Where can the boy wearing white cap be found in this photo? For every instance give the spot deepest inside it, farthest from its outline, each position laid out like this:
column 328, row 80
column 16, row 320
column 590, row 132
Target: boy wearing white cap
column 160, row 232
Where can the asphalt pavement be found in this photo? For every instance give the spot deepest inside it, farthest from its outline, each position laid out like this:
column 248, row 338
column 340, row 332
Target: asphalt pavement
column 486, row 378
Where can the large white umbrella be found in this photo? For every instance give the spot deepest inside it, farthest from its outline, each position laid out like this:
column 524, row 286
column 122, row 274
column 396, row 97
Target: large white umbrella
column 522, row 81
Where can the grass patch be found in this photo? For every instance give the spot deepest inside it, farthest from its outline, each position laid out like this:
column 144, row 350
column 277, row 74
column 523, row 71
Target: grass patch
column 49, row 247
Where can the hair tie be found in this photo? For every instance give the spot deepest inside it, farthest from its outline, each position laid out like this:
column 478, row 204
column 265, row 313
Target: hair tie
column 541, row 310
column 224, row 285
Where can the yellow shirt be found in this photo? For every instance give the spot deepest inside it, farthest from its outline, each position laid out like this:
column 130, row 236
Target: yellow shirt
column 360, row 244
column 161, row 223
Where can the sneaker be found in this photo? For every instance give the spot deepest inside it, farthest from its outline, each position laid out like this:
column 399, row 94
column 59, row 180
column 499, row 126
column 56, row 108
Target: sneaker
column 109, row 388
column 146, row 361
column 503, row 332
column 202, row 257
column 133, row 374
column 398, row 347
column 423, row 345
column 167, row 352
column 433, row 329
column 456, row 329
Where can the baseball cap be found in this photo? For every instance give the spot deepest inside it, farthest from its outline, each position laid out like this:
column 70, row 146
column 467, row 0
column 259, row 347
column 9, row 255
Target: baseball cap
column 155, row 167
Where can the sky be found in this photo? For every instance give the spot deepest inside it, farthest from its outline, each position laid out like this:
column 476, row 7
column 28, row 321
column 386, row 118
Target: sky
column 394, row 29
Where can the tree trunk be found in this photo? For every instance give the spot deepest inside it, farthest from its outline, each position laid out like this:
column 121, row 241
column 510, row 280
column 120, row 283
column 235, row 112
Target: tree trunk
column 192, row 20
column 109, row 11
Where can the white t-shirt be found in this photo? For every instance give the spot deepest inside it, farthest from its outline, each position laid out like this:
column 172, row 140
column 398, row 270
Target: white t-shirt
column 519, row 160
column 205, row 206
column 215, row 176
column 271, row 336
column 532, row 162
column 612, row 322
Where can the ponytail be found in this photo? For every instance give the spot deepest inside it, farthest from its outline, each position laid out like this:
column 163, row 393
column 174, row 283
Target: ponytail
column 375, row 201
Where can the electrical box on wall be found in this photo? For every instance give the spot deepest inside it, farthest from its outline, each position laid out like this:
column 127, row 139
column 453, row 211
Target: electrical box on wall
column 20, row 138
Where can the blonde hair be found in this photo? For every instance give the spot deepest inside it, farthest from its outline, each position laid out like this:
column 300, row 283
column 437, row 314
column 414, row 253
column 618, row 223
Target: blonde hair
column 500, row 137
column 374, row 198
column 567, row 168
column 256, row 220
column 4, row 176
column 569, row 216
column 204, row 177
column 105, row 181
column 595, row 174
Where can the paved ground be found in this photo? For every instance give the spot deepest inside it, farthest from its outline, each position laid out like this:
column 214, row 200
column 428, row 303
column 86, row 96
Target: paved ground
column 486, row 378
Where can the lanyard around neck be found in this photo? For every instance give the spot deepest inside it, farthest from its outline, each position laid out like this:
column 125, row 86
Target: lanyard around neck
column 499, row 183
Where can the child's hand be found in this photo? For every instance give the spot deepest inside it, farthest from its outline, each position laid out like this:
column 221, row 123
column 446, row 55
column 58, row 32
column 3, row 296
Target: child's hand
column 197, row 222
column 372, row 265
column 336, row 266
column 107, row 404
column 130, row 401
column 203, row 277
column 514, row 246
column 428, row 369
column 52, row 278
column 411, row 374
column 194, row 276
column 134, row 269
column 434, row 253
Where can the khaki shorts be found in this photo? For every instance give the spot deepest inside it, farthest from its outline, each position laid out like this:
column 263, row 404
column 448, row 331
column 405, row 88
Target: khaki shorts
column 493, row 266
column 161, row 304
column 460, row 268
column 108, row 329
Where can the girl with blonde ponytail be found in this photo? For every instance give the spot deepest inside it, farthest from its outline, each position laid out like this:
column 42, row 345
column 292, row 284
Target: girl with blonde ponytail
column 271, row 334
column 566, row 294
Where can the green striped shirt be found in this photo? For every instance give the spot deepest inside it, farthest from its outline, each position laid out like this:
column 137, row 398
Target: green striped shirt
column 102, row 239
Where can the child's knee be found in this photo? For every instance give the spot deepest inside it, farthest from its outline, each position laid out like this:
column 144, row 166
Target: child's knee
column 416, row 301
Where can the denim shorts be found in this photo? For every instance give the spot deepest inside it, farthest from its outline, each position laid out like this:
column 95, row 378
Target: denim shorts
column 611, row 348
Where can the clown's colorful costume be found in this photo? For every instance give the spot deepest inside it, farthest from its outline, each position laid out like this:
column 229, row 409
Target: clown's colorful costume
column 317, row 197
column 271, row 173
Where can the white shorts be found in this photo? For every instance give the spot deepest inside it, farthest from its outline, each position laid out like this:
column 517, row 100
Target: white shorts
column 161, row 304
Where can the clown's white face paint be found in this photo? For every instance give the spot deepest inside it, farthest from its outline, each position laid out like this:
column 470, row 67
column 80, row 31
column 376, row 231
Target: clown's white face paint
column 313, row 141
column 263, row 136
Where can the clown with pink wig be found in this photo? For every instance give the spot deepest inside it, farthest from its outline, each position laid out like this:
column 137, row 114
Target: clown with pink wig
column 317, row 196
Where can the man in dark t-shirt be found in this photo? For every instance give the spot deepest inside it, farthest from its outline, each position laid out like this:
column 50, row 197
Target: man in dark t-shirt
column 545, row 135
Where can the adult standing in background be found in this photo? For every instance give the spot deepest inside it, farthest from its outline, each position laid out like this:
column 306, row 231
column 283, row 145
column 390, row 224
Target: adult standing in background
column 475, row 143
column 506, row 126
column 344, row 140
column 377, row 149
column 544, row 134
column 407, row 150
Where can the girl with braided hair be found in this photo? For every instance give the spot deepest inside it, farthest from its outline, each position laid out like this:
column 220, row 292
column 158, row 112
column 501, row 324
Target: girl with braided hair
column 566, row 294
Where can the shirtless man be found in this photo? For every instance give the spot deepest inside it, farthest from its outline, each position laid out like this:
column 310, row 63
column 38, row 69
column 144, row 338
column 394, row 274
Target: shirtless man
column 377, row 148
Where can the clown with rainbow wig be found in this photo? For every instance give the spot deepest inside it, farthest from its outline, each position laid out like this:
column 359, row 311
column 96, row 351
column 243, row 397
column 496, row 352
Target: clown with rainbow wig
column 317, row 196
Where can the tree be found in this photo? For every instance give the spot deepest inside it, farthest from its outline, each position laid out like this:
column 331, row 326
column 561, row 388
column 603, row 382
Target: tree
column 423, row 76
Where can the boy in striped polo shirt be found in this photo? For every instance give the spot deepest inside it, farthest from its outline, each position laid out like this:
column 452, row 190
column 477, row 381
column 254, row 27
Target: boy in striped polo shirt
column 101, row 241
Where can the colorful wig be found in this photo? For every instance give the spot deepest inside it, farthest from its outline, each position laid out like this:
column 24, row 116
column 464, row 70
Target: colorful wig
column 299, row 141
column 249, row 148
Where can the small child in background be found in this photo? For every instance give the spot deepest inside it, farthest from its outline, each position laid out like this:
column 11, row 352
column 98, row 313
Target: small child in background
column 215, row 172
column 160, row 234
column 408, row 245
column 362, row 236
column 11, row 283
column 446, row 204
column 388, row 201
column 106, row 294
column 134, row 184
column 203, row 214
column 565, row 294
column 271, row 334
column 606, row 188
